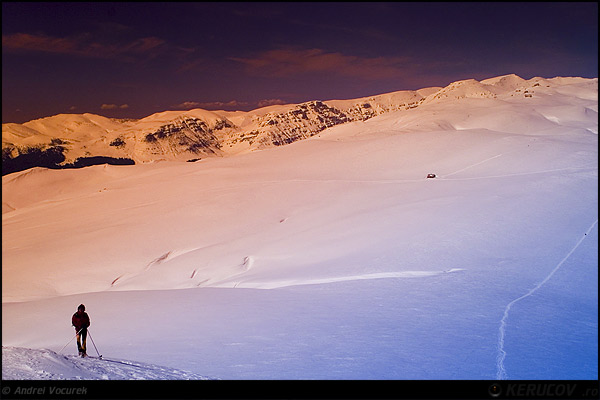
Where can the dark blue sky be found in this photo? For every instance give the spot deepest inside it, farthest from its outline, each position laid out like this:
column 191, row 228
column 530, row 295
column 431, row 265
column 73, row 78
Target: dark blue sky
column 134, row 59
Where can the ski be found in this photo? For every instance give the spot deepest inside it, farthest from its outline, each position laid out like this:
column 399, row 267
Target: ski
column 95, row 357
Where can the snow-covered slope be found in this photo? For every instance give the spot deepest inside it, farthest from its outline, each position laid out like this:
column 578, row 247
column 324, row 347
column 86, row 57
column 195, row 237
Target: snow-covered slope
column 41, row 364
column 332, row 257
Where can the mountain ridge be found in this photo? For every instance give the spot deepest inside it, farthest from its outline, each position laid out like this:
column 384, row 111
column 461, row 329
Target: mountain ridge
column 190, row 135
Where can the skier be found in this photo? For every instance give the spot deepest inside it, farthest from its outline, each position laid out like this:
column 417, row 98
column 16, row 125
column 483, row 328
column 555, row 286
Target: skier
column 81, row 321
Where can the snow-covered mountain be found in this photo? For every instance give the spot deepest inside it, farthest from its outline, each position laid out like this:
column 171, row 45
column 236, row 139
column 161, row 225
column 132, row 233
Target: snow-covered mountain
column 194, row 134
column 332, row 257
column 185, row 135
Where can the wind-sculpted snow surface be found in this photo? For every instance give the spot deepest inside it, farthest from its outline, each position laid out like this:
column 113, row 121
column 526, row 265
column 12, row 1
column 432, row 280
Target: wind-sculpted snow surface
column 332, row 257
column 42, row 364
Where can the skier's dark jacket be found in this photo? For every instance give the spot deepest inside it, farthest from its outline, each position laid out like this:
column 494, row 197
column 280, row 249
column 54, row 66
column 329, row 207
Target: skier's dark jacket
column 80, row 320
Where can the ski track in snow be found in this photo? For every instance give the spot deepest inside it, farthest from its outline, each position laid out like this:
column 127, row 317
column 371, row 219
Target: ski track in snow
column 376, row 275
column 576, row 169
column 500, row 369
column 473, row 165
column 439, row 177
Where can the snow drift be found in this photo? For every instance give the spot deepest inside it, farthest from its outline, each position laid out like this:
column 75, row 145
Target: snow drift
column 20, row 364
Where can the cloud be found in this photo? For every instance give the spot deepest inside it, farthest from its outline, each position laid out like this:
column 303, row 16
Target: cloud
column 270, row 102
column 25, row 41
column 194, row 65
column 113, row 106
column 83, row 46
column 233, row 104
column 211, row 105
column 188, row 105
column 291, row 62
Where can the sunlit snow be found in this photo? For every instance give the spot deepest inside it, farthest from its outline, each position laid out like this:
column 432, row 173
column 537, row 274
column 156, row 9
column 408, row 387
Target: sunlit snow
column 333, row 257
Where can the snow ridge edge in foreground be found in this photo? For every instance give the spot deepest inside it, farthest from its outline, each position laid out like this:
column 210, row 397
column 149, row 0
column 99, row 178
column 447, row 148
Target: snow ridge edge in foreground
column 20, row 363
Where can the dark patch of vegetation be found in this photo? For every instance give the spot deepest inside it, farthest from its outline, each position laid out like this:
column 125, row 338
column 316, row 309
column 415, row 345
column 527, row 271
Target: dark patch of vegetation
column 220, row 124
column 118, row 142
column 32, row 157
column 150, row 138
column 301, row 113
column 52, row 157
column 282, row 141
column 98, row 160
column 7, row 153
column 196, row 147
column 203, row 145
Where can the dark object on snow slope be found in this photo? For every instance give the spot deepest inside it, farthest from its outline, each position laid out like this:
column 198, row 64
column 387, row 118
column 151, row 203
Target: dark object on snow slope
column 81, row 321
column 430, row 175
column 52, row 157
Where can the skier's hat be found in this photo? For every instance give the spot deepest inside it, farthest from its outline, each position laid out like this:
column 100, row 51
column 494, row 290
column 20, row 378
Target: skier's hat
column 81, row 307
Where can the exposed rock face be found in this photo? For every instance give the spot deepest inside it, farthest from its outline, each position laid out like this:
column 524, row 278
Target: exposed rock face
column 186, row 135
column 308, row 119
column 301, row 122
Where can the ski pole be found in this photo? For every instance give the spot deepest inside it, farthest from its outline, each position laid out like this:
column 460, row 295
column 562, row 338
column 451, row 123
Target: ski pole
column 99, row 355
column 70, row 340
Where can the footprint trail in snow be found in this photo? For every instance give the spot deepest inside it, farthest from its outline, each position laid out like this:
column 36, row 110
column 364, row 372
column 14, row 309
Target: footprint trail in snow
column 501, row 370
